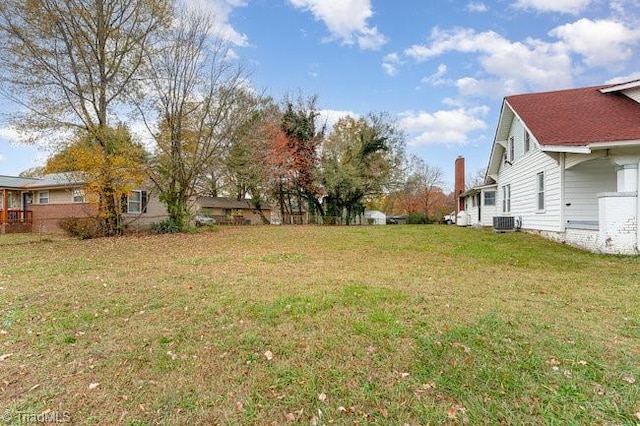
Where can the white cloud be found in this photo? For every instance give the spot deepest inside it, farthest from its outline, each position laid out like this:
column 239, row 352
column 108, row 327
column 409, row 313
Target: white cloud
column 601, row 43
column 624, row 78
column 477, row 7
column 390, row 63
column 517, row 65
column 231, row 55
column 346, row 20
column 220, row 11
column 9, row 134
column 452, row 127
column 436, row 79
column 330, row 117
column 562, row 6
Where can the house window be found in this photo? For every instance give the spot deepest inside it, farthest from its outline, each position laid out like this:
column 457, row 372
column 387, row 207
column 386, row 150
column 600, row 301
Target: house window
column 43, row 197
column 540, row 181
column 490, row 198
column 511, row 149
column 527, row 142
column 226, row 212
column 137, row 202
column 78, row 195
column 473, row 201
column 506, row 198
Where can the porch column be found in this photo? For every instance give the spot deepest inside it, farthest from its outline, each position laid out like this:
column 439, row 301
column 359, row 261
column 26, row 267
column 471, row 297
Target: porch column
column 627, row 177
column 5, row 206
column 628, row 180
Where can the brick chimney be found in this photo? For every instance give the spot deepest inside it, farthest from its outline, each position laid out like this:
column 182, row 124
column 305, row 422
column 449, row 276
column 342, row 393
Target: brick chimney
column 460, row 183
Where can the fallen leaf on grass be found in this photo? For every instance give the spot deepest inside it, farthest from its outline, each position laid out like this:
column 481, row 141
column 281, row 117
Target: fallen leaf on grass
column 638, row 415
column 5, row 356
column 268, row 355
column 322, row 397
column 371, row 349
column 384, row 413
column 460, row 345
column 629, row 379
column 453, row 411
column 405, row 375
column 93, row 385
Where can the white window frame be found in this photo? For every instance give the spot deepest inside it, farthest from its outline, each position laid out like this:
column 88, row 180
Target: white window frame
column 540, row 184
column 42, row 199
column 506, row 199
column 527, row 142
column 131, row 203
column 484, row 198
column 77, row 195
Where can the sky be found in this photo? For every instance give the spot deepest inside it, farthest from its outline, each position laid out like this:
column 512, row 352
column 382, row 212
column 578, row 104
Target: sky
column 440, row 68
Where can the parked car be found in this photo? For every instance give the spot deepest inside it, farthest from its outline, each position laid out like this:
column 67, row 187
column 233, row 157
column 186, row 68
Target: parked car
column 449, row 219
column 202, row 220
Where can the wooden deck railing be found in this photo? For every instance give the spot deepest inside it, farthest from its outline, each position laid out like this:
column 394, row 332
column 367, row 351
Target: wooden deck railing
column 16, row 216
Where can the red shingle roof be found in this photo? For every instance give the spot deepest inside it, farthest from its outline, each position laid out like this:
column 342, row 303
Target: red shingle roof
column 578, row 117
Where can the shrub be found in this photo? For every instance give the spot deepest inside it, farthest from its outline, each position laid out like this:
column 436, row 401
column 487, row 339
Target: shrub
column 167, row 226
column 418, row 219
column 83, row 228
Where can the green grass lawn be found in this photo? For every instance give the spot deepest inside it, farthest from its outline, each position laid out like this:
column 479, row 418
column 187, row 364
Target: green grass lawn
column 318, row 325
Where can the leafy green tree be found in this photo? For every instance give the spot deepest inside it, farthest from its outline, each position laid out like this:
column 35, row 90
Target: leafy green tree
column 360, row 159
column 294, row 140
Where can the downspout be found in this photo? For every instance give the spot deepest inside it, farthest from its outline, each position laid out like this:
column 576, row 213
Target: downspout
column 638, row 210
column 563, row 206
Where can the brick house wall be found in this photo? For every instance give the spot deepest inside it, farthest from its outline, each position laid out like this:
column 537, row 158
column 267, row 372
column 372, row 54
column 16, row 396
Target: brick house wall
column 46, row 217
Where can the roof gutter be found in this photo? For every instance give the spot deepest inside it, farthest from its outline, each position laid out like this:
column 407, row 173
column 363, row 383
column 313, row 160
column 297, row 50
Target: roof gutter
column 589, row 148
column 614, row 144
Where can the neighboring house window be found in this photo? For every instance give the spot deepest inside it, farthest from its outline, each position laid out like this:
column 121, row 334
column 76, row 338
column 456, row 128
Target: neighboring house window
column 78, row 196
column 226, row 212
column 506, row 198
column 137, row 202
column 540, row 180
column 43, row 197
column 512, row 149
column 490, row 198
column 473, row 201
column 527, row 142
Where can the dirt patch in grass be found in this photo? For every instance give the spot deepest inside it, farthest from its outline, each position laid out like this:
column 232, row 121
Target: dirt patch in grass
column 332, row 325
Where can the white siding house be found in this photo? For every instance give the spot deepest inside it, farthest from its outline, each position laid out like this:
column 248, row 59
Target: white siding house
column 565, row 164
column 480, row 205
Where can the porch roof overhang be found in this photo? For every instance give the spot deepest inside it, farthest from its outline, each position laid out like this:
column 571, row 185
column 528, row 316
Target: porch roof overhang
column 477, row 190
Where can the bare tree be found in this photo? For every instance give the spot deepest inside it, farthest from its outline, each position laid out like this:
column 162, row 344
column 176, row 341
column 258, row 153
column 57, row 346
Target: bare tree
column 427, row 179
column 70, row 65
column 478, row 178
column 200, row 100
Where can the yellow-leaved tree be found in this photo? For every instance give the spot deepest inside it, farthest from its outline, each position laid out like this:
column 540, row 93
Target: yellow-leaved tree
column 114, row 168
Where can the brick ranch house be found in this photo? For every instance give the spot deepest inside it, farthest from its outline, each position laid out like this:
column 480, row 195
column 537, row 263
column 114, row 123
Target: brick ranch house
column 38, row 204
